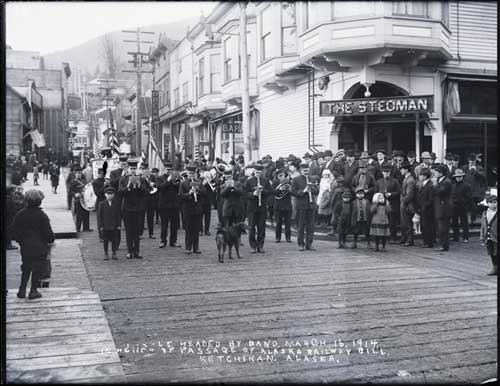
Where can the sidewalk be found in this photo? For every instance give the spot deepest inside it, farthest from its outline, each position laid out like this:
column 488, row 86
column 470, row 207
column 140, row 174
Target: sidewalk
column 64, row 336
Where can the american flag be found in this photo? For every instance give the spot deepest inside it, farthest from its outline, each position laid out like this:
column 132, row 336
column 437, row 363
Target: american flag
column 97, row 147
column 113, row 139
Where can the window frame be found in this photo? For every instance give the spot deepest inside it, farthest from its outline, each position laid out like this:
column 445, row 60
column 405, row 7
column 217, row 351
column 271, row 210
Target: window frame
column 201, row 75
column 264, row 37
column 212, row 88
column 176, row 97
column 406, row 12
column 185, row 92
column 283, row 28
column 228, row 76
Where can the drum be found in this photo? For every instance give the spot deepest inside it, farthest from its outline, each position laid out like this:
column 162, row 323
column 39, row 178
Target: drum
column 88, row 198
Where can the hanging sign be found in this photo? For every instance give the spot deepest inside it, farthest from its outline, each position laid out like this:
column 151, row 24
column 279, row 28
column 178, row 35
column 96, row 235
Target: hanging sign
column 376, row 106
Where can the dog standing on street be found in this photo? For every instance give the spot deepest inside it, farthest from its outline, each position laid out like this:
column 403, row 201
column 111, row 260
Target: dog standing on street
column 229, row 237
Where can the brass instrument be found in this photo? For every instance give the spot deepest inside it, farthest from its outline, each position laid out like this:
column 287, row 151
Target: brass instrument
column 207, row 176
column 284, row 187
column 309, row 189
column 259, row 188
column 195, row 185
column 153, row 187
column 88, row 198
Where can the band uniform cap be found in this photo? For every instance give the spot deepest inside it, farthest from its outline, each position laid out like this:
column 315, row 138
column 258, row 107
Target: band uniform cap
column 328, row 153
column 109, row 189
column 155, row 170
column 459, row 173
column 471, row 157
column 359, row 189
column 321, row 154
column 123, row 158
column 258, row 166
column 448, row 157
column 405, row 165
column 399, row 153
column 426, row 155
column 314, row 157
column 381, row 151
column 387, row 168
column 191, row 168
column 491, row 198
column 412, row 154
column 433, row 155
column 132, row 161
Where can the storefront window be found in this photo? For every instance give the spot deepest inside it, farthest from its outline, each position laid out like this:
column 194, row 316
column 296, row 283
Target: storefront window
column 410, row 8
column 352, row 8
column 288, row 28
column 478, row 98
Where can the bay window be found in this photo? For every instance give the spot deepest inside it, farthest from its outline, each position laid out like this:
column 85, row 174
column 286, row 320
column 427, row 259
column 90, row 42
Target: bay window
column 352, row 8
column 410, row 8
column 227, row 59
column 215, row 73
column 288, row 28
column 201, row 76
column 266, row 26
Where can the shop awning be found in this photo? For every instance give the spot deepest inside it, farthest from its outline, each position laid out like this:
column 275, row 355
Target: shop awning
column 231, row 114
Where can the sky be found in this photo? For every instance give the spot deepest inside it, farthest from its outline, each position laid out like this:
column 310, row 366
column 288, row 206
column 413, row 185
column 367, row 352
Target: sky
column 52, row 26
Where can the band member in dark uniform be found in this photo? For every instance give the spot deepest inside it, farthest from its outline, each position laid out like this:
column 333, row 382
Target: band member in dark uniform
column 190, row 192
column 425, row 198
column 143, row 171
column 283, row 205
column 443, row 206
column 231, row 193
column 168, row 203
column 305, row 191
column 133, row 189
column 76, row 189
column 152, row 200
column 257, row 189
column 114, row 177
column 206, row 204
column 98, row 186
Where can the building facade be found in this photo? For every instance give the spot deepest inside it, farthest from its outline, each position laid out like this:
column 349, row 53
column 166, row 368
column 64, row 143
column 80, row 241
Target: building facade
column 365, row 75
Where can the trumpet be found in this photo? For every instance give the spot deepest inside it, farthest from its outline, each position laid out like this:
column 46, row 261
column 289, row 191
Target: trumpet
column 309, row 189
column 153, row 187
column 259, row 187
column 194, row 187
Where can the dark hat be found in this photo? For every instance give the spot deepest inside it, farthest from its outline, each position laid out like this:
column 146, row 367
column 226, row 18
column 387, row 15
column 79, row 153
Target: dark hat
column 155, row 170
column 412, row 154
column 381, row 151
column 228, row 172
column 399, row 153
column 123, row 158
column 315, row 156
column 77, row 168
column 167, row 164
column 320, row 154
column 109, row 189
column 386, row 168
column 491, row 198
column 440, row 168
column 145, row 165
column 425, row 172
column 456, row 157
column 304, row 165
column 471, row 157
column 350, row 153
column 240, row 157
column 191, row 168
column 405, row 165
column 448, row 157
column 258, row 166
column 268, row 157
column 203, row 160
column 433, row 155
column 100, row 170
column 132, row 161
column 339, row 178
column 359, row 189
column 328, row 153
column 307, row 155
column 347, row 194
column 374, row 157
column 364, row 155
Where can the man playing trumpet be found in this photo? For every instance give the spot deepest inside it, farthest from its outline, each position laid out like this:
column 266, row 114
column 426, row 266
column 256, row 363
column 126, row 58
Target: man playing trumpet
column 191, row 193
column 257, row 189
column 231, row 192
column 168, row 202
column 305, row 191
column 283, row 205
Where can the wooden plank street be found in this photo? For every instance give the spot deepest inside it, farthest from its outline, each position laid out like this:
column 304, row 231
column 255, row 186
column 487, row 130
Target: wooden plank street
column 432, row 315
column 63, row 336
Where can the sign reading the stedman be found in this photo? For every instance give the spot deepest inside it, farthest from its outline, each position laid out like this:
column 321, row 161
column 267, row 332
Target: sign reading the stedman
column 374, row 106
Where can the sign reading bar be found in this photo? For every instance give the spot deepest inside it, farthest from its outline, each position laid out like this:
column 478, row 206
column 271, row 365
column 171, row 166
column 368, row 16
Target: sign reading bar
column 231, row 127
column 374, row 106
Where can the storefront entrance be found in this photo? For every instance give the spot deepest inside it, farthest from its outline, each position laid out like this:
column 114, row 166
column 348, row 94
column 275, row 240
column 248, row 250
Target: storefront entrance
column 398, row 131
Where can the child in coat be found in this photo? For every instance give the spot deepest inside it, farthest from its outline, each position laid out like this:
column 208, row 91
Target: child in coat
column 109, row 221
column 380, row 220
column 343, row 217
column 36, row 174
column 361, row 216
column 338, row 189
column 488, row 235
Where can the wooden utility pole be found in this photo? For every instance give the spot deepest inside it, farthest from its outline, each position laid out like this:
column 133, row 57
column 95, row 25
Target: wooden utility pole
column 245, row 97
column 137, row 61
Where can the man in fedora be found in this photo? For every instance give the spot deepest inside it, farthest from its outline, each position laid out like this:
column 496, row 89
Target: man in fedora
column 442, row 206
column 381, row 161
column 448, row 158
column 350, row 168
column 461, row 197
column 408, row 203
column 314, row 168
column 307, row 158
column 476, row 178
column 364, row 179
column 426, row 162
column 412, row 160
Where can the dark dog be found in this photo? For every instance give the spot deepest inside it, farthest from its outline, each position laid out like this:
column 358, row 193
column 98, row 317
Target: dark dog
column 229, row 237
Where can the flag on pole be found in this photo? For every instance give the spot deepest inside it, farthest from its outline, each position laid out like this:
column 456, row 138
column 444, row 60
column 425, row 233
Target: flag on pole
column 97, row 147
column 113, row 139
column 154, row 158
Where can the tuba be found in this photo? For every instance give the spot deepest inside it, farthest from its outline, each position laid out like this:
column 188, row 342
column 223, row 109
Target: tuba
column 284, row 188
column 88, row 198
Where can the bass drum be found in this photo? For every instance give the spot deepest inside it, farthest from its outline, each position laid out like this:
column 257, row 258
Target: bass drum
column 88, row 198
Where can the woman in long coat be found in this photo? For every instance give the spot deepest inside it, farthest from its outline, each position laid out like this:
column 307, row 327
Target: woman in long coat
column 54, row 176
column 32, row 230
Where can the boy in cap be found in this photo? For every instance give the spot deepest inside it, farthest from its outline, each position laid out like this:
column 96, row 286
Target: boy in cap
column 361, row 217
column 109, row 221
column 343, row 217
column 461, row 196
column 488, row 235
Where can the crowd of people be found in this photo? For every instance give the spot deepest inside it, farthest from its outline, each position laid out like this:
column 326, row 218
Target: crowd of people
column 376, row 198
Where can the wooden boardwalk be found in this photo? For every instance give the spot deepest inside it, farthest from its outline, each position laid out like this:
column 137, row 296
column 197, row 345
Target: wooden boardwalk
column 63, row 337
column 434, row 315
